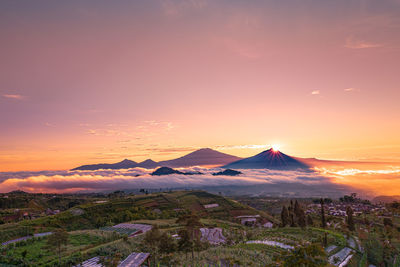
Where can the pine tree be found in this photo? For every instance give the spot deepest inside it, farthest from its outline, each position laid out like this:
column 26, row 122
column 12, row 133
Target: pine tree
column 350, row 221
column 284, row 216
column 300, row 215
column 325, row 239
column 301, row 220
column 323, row 220
column 309, row 220
column 292, row 220
column 297, row 209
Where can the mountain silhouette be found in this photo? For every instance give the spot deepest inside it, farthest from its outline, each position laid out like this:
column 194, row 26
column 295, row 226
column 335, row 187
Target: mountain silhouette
column 168, row 171
column 201, row 157
column 148, row 164
column 125, row 164
column 227, row 172
column 268, row 159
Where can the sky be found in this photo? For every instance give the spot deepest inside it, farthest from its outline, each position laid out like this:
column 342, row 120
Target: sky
column 98, row 81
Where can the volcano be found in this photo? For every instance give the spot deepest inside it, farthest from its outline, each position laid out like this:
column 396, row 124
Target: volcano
column 269, row 159
column 201, row 157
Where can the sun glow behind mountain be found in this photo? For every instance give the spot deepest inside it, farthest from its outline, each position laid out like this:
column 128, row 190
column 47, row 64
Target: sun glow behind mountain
column 275, row 147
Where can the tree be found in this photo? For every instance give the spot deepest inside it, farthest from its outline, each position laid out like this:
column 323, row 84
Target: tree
column 184, row 243
column 310, row 221
column 110, row 261
column 158, row 243
column 151, row 241
column 291, row 214
column 167, row 244
column 57, row 240
column 199, row 245
column 297, row 208
column 323, row 220
column 284, row 216
column 23, row 253
column 192, row 224
column 300, row 215
column 387, row 222
column 350, row 220
column 312, row 255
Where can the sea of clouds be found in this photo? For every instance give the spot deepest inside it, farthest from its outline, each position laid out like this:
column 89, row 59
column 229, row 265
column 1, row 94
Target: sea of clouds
column 324, row 182
column 102, row 180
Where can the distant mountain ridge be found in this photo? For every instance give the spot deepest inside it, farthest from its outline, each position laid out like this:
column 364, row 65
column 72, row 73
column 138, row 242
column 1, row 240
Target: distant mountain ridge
column 201, row 157
column 269, row 159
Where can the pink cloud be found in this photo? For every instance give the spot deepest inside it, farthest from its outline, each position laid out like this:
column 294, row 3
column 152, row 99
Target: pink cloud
column 353, row 43
column 316, row 92
column 14, row 96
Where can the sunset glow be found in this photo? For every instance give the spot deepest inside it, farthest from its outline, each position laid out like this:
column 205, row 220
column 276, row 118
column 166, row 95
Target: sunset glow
column 200, row 133
column 275, row 147
column 85, row 84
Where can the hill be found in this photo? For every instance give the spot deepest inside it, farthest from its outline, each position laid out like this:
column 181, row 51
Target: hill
column 167, row 171
column 227, row 172
column 269, row 159
column 152, row 206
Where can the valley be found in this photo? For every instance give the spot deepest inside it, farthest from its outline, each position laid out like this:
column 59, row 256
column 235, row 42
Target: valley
column 226, row 231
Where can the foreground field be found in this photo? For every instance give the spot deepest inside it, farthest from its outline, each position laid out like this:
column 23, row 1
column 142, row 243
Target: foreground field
column 91, row 234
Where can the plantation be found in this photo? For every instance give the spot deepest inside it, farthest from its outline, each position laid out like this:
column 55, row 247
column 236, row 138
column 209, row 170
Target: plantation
column 102, row 229
column 37, row 251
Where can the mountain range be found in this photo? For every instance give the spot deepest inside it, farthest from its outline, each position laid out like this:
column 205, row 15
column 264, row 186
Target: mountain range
column 201, row 157
column 268, row 159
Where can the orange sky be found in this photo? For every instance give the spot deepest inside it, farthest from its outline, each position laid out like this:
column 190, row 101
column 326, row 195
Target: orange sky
column 83, row 83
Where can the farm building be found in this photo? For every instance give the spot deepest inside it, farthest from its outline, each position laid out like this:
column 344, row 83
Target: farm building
column 212, row 235
column 130, row 229
column 93, row 262
column 210, row 206
column 135, row 259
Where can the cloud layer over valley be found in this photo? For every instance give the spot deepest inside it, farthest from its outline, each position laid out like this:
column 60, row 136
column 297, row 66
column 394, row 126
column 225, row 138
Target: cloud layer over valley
column 135, row 178
column 262, row 181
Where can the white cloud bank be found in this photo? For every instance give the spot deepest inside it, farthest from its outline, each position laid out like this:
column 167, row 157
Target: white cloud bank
column 72, row 181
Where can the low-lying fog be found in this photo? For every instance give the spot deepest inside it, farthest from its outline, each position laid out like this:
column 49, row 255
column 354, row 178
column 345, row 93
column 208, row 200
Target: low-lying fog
column 321, row 181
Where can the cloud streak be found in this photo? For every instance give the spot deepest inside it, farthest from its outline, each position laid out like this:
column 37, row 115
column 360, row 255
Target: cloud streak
column 177, row 7
column 353, row 43
column 223, row 147
column 316, row 92
column 14, row 96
